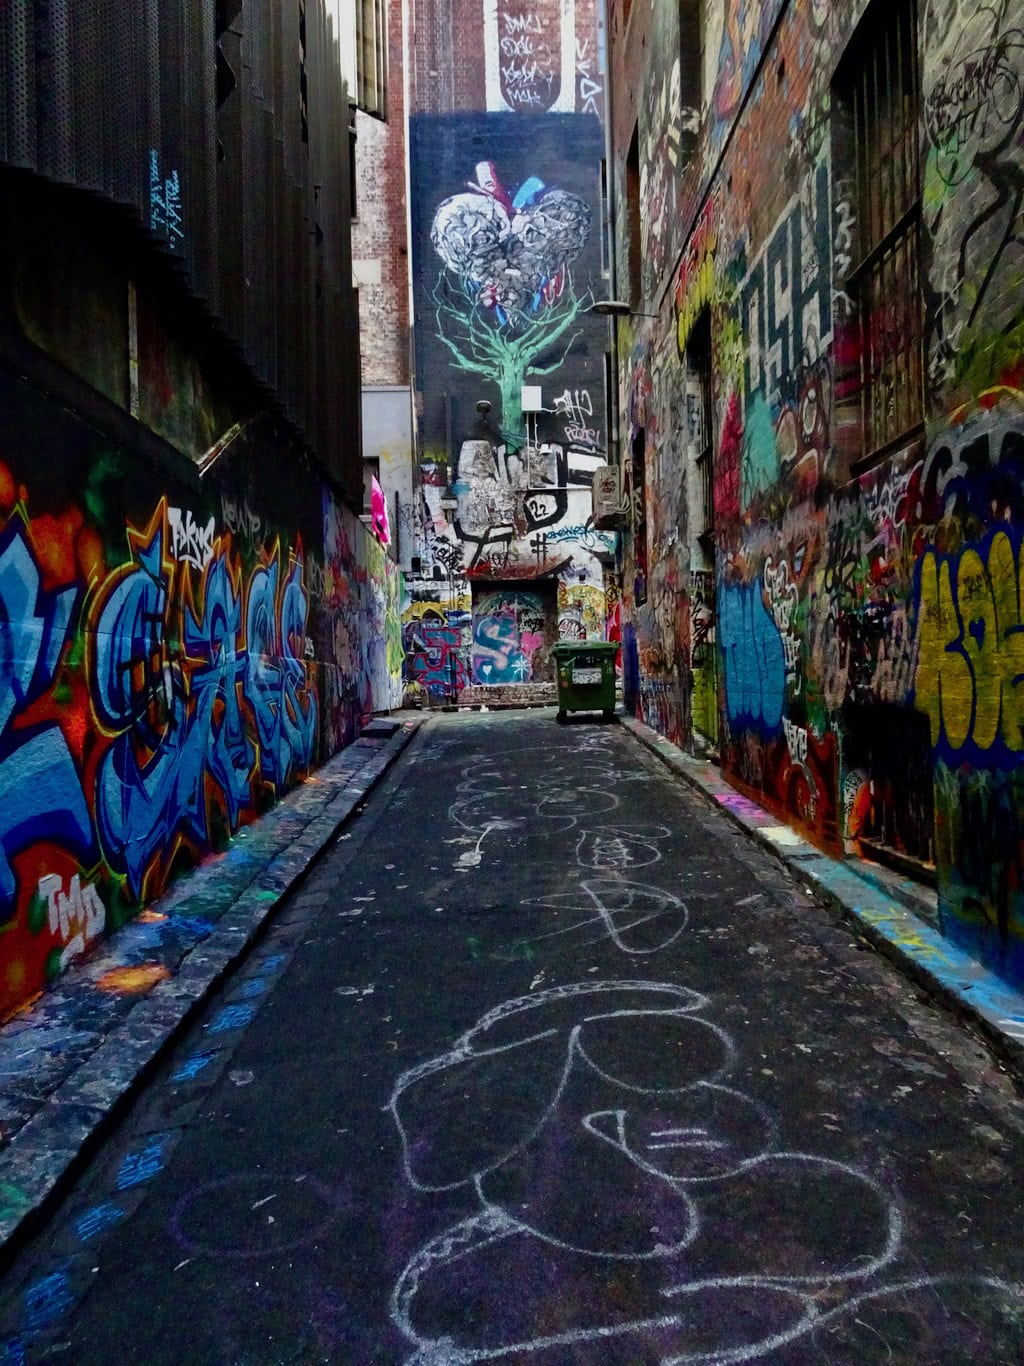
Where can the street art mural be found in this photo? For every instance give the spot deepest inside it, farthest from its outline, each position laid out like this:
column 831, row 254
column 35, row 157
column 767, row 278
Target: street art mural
column 168, row 680
column 654, row 575
column 970, row 658
column 865, row 614
column 505, row 253
column 435, row 651
column 509, row 629
column 786, row 323
column 669, row 123
column 695, row 283
column 753, row 665
column 360, row 624
column 168, row 672
column 980, row 850
column 730, row 36
column 506, row 295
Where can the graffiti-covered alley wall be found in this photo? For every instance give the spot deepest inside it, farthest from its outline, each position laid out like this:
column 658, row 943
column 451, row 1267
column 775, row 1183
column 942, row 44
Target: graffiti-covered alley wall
column 856, row 605
column 174, row 658
column 507, row 258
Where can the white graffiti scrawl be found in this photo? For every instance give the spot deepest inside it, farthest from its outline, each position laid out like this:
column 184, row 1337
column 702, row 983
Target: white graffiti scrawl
column 190, row 541
column 530, row 55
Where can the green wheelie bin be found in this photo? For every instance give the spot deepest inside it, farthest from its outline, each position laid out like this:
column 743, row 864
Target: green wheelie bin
column 585, row 672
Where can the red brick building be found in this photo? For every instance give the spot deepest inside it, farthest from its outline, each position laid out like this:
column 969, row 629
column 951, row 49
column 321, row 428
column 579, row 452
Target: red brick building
column 823, row 420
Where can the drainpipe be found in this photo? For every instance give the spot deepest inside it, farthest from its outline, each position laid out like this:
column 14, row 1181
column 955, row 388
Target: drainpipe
column 610, row 196
column 448, row 437
column 613, row 443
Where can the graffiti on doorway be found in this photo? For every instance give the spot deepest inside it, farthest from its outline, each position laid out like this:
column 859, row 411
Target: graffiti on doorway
column 508, row 634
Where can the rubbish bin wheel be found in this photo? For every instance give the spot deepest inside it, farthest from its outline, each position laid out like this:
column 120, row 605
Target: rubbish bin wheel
column 560, row 716
column 608, row 713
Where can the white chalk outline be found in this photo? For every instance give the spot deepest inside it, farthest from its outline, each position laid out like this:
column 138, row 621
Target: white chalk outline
column 641, row 837
column 564, row 801
column 493, row 1223
column 610, row 916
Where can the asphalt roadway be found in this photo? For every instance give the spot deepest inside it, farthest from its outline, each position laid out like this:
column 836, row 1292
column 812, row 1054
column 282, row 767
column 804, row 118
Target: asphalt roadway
column 546, row 1064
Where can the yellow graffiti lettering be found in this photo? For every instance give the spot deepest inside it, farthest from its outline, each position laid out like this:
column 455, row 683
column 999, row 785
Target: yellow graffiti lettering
column 981, row 646
column 1009, row 591
column 699, row 294
column 696, row 282
column 942, row 666
column 970, row 663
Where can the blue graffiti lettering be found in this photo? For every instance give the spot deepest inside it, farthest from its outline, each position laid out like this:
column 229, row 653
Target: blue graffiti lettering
column 191, row 1067
column 433, row 655
column 97, row 1220
column 48, row 1300
column 142, row 1165
column 40, row 793
column 141, row 691
column 231, row 1017
column 179, row 716
column 218, row 665
column 752, row 657
column 786, row 299
column 275, row 680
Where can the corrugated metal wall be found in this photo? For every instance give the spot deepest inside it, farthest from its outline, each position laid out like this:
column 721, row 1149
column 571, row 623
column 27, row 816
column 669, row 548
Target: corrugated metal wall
column 120, row 99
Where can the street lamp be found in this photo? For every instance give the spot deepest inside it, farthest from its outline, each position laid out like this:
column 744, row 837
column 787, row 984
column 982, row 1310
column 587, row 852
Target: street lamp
column 617, row 308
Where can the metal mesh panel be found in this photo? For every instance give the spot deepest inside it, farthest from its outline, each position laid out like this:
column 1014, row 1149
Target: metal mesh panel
column 167, row 180
column 200, row 162
column 60, row 152
column 17, row 97
column 44, row 78
column 229, row 181
column 89, row 71
column 250, row 152
column 150, row 121
column 121, row 100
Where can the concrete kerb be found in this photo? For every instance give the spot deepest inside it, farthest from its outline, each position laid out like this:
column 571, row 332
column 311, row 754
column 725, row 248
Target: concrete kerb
column 39, row 1163
column 879, row 909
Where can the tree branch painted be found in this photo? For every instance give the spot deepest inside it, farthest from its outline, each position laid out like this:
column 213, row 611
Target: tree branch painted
column 506, row 295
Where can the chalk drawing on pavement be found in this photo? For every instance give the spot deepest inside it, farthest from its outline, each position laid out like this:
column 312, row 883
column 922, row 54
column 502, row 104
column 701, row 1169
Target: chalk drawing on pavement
column 628, row 1147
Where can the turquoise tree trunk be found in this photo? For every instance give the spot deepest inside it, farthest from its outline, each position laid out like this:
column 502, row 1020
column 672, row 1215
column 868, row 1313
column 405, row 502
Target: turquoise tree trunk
column 507, row 353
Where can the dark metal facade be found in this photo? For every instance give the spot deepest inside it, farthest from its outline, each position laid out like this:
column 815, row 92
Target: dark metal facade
column 222, row 128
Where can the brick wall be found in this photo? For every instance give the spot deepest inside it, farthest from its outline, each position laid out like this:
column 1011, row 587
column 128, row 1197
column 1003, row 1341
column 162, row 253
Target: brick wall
column 380, row 250
column 859, row 610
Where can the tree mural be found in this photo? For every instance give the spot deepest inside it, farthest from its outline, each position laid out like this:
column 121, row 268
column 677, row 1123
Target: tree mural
column 505, row 296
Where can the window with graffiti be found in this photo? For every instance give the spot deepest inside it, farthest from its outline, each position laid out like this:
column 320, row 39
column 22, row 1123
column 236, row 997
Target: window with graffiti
column 876, row 145
column 700, row 431
column 887, row 789
column 638, row 515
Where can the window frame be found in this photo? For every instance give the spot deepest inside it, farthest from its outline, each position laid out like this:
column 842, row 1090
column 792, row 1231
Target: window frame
column 876, row 124
column 702, row 461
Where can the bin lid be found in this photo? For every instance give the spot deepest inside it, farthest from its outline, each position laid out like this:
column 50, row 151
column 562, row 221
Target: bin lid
column 565, row 649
